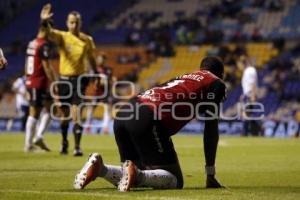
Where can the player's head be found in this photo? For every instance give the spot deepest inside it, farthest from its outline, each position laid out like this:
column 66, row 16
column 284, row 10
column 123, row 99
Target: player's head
column 244, row 62
column 74, row 22
column 101, row 58
column 43, row 31
column 214, row 65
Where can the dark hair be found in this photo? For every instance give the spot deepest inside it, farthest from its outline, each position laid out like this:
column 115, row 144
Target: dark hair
column 214, row 65
column 46, row 23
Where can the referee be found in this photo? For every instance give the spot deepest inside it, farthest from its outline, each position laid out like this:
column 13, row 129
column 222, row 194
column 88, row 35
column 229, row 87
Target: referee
column 76, row 49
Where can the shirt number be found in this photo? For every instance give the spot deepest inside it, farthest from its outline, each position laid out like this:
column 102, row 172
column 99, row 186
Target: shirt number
column 172, row 84
column 30, row 65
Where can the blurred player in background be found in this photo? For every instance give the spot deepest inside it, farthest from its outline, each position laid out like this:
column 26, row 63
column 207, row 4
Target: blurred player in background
column 39, row 76
column 3, row 61
column 249, row 85
column 22, row 104
column 75, row 49
column 97, row 88
column 144, row 141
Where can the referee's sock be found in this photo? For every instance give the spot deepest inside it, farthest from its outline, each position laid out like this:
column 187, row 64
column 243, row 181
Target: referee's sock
column 77, row 131
column 64, row 131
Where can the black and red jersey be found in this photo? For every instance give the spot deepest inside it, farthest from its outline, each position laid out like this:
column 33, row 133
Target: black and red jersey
column 176, row 100
column 105, row 71
column 37, row 50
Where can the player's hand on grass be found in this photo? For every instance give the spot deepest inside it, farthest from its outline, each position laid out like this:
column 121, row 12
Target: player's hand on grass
column 212, row 182
column 46, row 12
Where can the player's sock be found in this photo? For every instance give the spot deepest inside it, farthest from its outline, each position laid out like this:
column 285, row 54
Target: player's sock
column 30, row 128
column 65, row 144
column 106, row 120
column 111, row 173
column 64, row 131
column 44, row 122
column 77, row 131
column 158, row 178
column 210, row 170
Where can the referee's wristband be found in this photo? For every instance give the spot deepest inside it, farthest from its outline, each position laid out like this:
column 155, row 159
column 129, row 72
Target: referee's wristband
column 210, row 170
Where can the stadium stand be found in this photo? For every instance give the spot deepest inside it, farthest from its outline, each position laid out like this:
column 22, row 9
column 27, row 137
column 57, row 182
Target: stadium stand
column 149, row 42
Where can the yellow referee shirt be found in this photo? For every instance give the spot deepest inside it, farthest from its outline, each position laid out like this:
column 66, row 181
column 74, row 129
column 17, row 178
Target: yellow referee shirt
column 73, row 52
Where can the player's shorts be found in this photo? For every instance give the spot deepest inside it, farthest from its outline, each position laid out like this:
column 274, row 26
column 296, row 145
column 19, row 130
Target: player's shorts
column 70, row 90
column 141, row 138
column 38, row 96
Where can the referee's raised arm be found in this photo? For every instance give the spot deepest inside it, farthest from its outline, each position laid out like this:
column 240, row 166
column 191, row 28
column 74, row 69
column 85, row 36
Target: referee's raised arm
column 46, row 21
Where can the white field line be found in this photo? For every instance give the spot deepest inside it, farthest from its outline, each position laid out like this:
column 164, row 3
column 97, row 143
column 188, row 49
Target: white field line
column 223, row 143
column 92, row 194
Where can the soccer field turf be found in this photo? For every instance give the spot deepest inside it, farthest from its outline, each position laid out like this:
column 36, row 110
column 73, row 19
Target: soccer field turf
column 251, row 168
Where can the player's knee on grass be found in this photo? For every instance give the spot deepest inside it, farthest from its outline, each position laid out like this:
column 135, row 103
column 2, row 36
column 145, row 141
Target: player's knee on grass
column 175, row 170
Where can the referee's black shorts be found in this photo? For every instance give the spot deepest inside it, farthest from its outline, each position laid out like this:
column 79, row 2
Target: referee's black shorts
column 141, row 138
column 71, row 89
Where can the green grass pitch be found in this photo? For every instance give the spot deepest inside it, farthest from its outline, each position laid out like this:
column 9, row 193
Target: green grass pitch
column 251, row 168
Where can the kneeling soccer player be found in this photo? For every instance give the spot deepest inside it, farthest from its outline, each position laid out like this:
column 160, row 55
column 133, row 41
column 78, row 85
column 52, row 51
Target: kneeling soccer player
column 143, row 130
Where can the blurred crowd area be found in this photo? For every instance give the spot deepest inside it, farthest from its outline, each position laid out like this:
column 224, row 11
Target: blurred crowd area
column 148, row 42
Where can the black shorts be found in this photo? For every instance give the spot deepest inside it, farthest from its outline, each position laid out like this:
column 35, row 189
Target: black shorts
column 143, row 139
column 70, row 90
column 38, row 96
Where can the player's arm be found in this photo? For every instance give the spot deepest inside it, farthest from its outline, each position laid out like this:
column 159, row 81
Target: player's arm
column 3, row 61
column 51, row 75
column 91, row 54
column 45, row 16
column 44, row 54
column 211, row 131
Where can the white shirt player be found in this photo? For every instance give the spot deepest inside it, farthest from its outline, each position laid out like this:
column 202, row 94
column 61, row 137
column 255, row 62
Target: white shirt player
column 20, row 88
column 249, row 80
